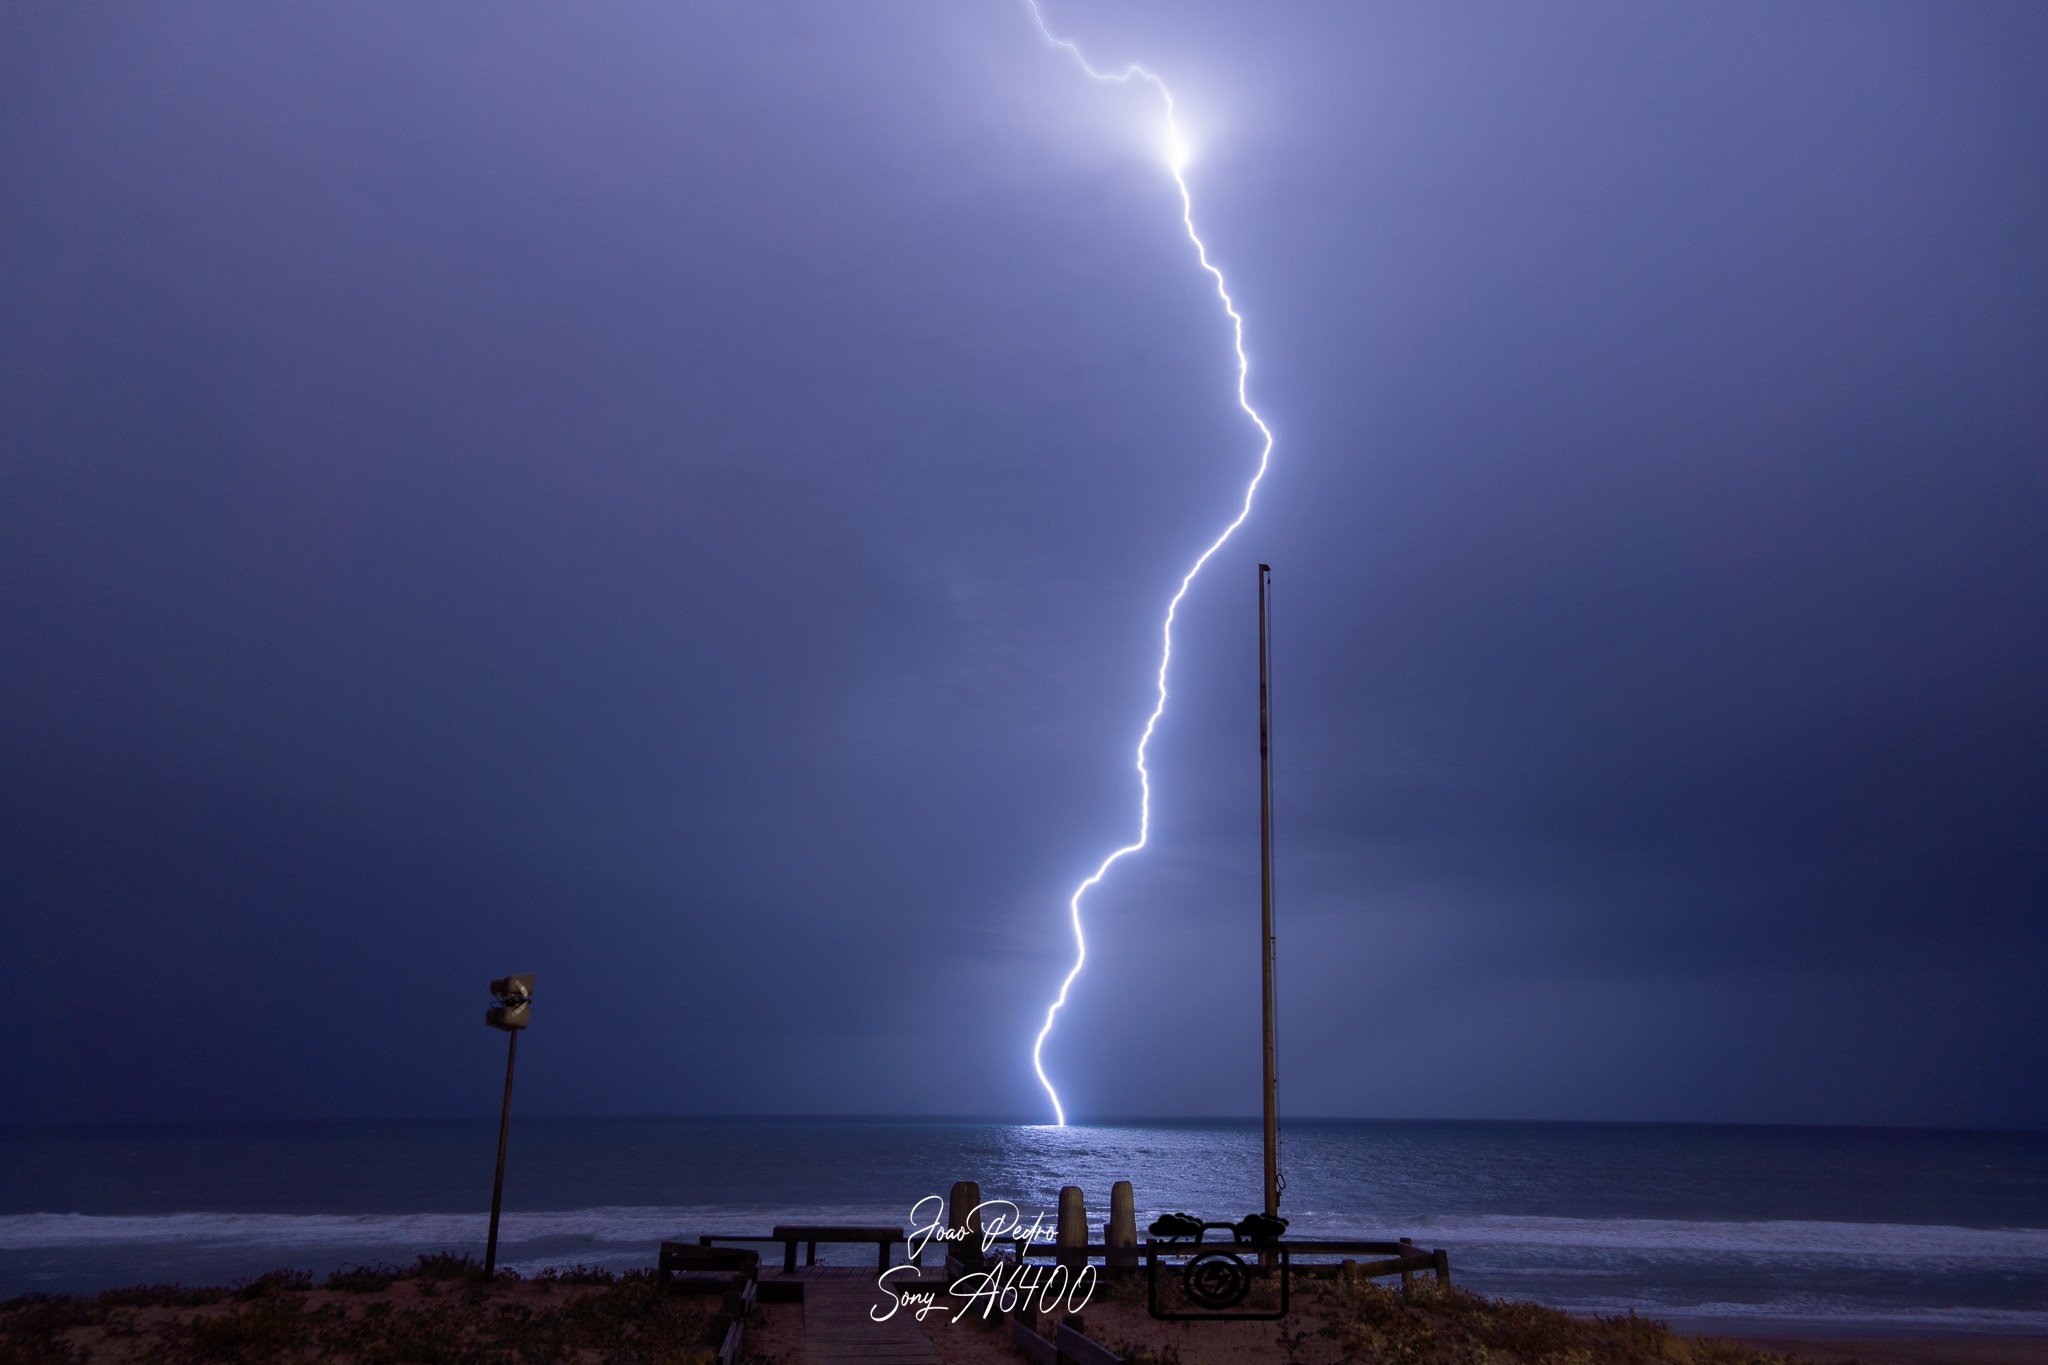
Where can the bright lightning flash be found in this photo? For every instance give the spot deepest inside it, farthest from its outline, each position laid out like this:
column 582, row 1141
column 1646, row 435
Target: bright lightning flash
column 1176, row 151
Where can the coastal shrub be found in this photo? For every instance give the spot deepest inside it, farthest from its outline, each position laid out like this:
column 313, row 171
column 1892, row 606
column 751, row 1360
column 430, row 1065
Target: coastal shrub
column 161, row 1296
column 1378, row 1324
column 273, row 1283
column 622, row 1318
column 260, row 1332
column 363, row 1279
column 1293, row 1343
column 37, row 1350
column 415, row 1338
column 49, row 1314
column 447, row 1265
column 1444, row 1323
column 32, row 1327
column 1128, row 1288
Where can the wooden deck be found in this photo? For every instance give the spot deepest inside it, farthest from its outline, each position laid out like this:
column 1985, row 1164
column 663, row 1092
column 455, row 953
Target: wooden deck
column 838, row 1330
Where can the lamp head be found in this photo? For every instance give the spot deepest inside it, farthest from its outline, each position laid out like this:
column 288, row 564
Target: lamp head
column 514, row 1009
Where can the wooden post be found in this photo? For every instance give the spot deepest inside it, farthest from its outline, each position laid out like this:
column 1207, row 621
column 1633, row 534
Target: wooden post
column 1071, row 1239
column 963, row 1214
column 1120, row 1233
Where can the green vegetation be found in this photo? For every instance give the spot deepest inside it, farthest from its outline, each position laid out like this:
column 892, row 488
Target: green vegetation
column 363, row 1279
column 1358, row 1322
column 1433, row 1323
column 440, row 1311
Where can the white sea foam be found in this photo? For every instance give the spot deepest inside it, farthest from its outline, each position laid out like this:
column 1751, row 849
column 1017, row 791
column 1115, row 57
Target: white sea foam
column 642, row 1225
column 1882, row 1242
column 1886, row 1242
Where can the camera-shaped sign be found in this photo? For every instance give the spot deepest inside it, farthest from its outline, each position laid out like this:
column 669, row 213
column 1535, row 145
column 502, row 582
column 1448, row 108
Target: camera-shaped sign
column 1246, row 1278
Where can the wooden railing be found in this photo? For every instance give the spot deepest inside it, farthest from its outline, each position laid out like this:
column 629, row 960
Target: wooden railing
column 1401, row 1257
column 728, row 1271
column 809, row 1236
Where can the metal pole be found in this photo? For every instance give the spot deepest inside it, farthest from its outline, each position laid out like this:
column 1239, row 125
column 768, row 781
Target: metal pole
column 1266, row 903
column 504, row 1131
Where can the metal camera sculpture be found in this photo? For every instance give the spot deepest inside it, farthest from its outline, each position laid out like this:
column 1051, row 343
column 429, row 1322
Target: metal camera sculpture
column 1215, row 1277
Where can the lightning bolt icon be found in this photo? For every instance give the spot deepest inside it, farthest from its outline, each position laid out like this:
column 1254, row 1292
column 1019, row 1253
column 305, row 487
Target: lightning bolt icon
column 1176, row 161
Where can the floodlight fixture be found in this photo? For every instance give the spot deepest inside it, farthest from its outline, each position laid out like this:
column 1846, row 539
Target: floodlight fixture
column 514, row 1009
column 512, row 1013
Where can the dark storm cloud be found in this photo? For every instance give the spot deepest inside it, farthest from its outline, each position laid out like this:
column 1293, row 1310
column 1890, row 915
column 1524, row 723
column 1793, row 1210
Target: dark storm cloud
column 679, row 501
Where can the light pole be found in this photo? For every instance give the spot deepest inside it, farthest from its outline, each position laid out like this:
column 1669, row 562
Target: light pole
column 1275, row 1181
column 512, row 1013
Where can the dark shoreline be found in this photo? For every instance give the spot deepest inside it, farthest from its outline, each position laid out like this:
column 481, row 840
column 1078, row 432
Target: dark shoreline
column 1758, row 1328
column 1949, row 1349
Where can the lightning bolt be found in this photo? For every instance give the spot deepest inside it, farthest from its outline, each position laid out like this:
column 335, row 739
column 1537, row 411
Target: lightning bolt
column 1176, row 161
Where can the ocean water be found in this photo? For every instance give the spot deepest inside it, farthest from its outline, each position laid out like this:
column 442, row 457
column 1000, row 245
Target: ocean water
column 1784, row 1227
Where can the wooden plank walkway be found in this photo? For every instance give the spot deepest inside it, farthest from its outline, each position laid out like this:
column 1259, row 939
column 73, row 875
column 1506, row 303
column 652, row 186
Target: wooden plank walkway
column 838, row 1330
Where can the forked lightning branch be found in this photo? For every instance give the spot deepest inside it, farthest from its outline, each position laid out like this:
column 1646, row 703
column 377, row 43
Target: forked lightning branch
column 1176, row 156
